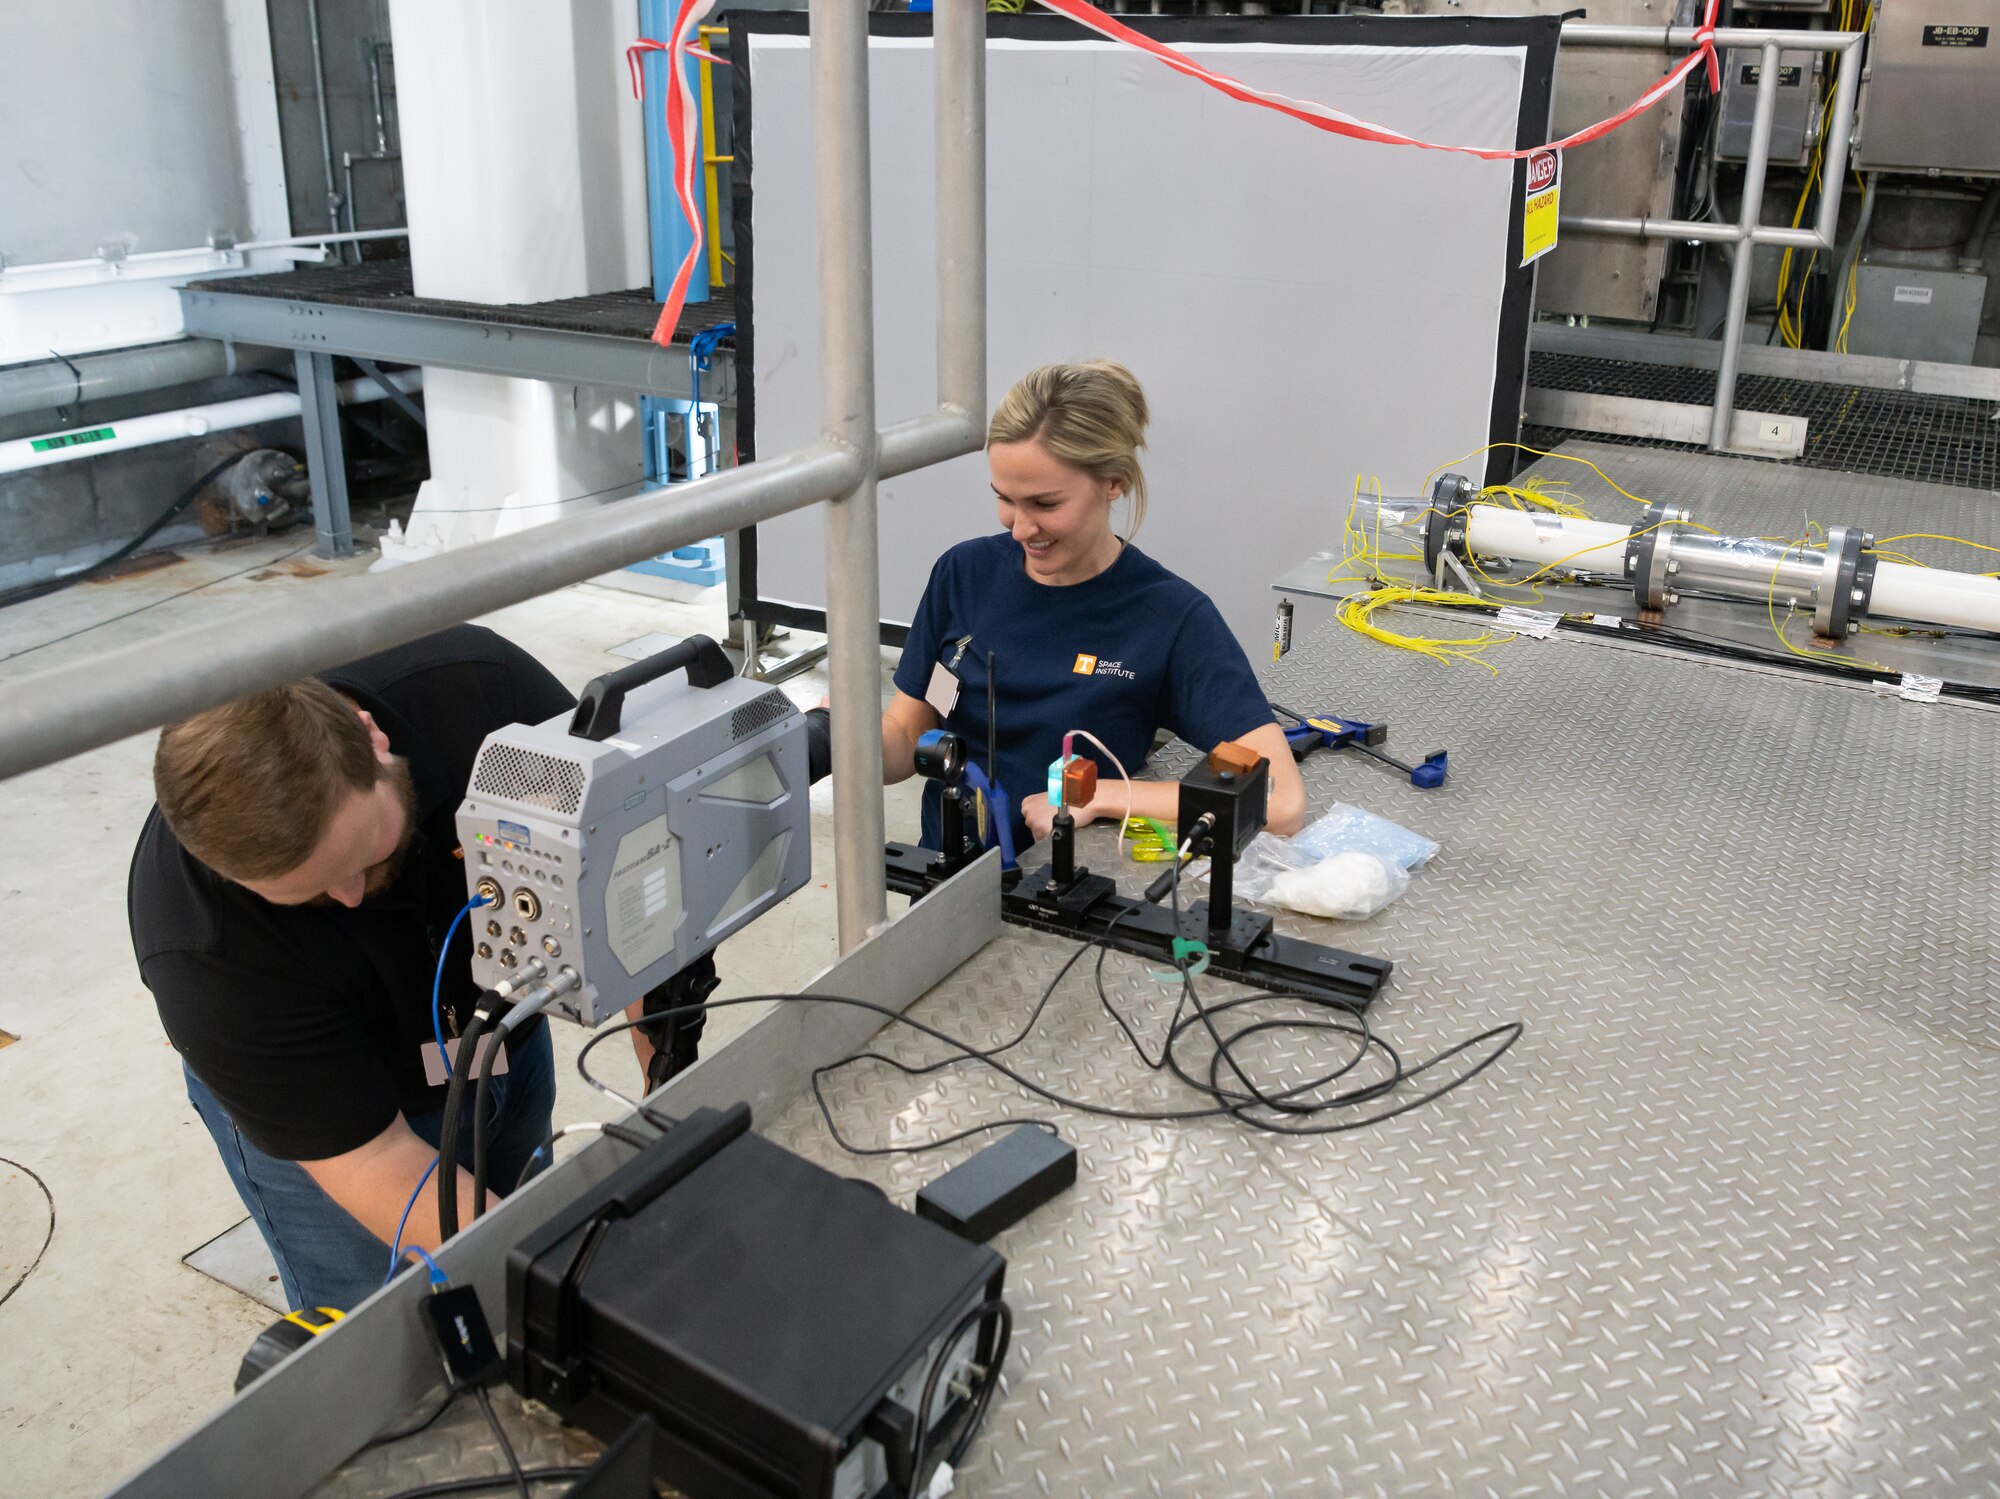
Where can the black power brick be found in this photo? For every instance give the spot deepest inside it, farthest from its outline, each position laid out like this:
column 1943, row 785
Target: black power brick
column 1001, row 1185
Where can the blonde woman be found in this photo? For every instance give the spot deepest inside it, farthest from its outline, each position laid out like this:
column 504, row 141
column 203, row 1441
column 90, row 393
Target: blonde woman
column 1085, row 630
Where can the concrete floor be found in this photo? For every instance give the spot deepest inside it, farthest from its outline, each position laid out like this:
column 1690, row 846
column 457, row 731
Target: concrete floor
column 112, row 1346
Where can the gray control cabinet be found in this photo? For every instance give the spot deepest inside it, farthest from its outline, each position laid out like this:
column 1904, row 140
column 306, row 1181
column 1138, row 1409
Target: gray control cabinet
column 1900, row 313
column 1793, row 126
column 1931, row 98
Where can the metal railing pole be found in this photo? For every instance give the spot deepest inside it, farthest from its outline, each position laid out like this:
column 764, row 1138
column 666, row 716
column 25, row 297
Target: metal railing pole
column 59, row 713
column 1747, row 233
column 960, row 135
column 847, row 419
column 1746, row 250
column 958, row 425
column 1682, row 38
column 1839, row 128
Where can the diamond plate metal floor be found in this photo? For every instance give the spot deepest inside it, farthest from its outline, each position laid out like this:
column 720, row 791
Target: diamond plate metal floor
column 459, row 1444
column 1722, row 1222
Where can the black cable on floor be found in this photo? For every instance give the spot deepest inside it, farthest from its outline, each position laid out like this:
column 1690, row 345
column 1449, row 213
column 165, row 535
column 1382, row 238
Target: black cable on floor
column 388, row 1437
column 490, row 1481
column 913, row 1070
column 1238, row 1103
column 506, row 1446
column 47, row 1238
column 48, row 586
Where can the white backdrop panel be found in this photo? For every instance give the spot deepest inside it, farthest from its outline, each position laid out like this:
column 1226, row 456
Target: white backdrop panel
column 1299, row 307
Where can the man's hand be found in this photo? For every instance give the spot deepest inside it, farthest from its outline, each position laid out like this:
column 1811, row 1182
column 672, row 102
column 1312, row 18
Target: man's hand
column 1040, row 815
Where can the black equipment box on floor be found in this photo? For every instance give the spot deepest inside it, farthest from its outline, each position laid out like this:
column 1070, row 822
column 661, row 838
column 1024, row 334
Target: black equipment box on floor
column 776, row 1321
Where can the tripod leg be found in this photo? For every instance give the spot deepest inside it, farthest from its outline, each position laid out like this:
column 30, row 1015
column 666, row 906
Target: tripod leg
column 677, row 1038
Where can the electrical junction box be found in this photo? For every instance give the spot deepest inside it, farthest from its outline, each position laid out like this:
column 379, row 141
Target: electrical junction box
column 1931, row 99
column 1792, row 126
column 1901, row 313
column 626, row 858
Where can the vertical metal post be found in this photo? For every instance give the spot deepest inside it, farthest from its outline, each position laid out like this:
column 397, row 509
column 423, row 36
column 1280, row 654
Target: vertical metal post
column 326, row 461
column 1754, row 164
column 1839, row 126
column 325, row 123
column 847, row 416
column 959, row 133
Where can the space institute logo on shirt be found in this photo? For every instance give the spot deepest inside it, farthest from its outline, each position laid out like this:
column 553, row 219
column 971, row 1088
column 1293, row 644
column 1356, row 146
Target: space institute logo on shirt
column 1090, row 666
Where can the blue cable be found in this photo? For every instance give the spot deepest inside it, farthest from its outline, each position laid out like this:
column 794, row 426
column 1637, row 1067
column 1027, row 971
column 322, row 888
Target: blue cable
column 396, row 1249
column 437, row 982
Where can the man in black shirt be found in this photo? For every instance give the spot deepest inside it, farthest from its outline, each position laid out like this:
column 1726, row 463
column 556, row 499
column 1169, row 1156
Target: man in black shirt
column 291, row 900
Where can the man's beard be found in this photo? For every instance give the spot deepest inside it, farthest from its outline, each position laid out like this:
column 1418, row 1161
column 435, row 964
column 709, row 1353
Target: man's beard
column 382, row 876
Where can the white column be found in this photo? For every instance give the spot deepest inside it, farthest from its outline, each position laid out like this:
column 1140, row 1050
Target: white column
column 524, row 166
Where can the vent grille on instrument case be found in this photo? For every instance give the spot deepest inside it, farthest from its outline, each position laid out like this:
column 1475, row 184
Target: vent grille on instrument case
column 522, row 775
column 751, row 717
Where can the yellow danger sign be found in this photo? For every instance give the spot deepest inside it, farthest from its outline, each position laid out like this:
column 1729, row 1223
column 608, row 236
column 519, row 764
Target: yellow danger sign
column 1542, row 206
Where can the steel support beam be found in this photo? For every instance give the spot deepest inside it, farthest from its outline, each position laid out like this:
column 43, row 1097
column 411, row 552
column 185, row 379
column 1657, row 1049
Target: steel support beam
column 410, row 408
column 326, row 457
column 519, row 350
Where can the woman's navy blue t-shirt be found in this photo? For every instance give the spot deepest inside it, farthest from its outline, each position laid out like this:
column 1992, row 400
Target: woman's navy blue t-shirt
column 1130, row 651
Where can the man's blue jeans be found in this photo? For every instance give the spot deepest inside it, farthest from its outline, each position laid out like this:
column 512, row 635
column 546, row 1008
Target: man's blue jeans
column 325, row 1257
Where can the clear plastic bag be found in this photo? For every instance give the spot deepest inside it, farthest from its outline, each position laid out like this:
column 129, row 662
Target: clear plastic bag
column 1263, row 859
column 1350, row 829
column 1347, row 865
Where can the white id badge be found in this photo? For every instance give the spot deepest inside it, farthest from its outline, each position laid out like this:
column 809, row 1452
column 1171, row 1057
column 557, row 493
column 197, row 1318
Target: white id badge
column 434, row 1065
column 942, row 694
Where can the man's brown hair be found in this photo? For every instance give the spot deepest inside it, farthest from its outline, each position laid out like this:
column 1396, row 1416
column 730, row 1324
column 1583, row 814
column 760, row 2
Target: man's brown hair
column 250, row 787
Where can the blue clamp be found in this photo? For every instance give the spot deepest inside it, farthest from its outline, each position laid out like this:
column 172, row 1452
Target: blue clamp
column 1001, row 812
column 1335, row 732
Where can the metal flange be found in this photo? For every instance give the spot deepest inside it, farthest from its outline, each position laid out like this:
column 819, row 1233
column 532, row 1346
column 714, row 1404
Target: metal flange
column 1649, row 557
column 1445, row 521
column 1846, row 583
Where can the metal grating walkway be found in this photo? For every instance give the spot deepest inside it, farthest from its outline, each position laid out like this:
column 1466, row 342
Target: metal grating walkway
column 1856, row 429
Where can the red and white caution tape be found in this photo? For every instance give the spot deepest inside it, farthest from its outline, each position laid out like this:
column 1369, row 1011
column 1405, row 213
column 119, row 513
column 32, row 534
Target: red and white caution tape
column 683, row 139
column 1339, row 122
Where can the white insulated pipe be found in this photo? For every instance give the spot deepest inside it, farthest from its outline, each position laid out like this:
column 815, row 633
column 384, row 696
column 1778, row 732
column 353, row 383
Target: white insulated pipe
column 174, row 426
column 1588, row 545
column 1744, row 568
column 1933, row 596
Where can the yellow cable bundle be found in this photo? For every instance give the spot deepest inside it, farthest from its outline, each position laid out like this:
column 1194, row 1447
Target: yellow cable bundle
column 1357, row 611
column 1534, row 495
column 1539, row 453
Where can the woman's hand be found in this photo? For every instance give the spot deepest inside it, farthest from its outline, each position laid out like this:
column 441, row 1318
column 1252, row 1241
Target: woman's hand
column 1040, row 815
